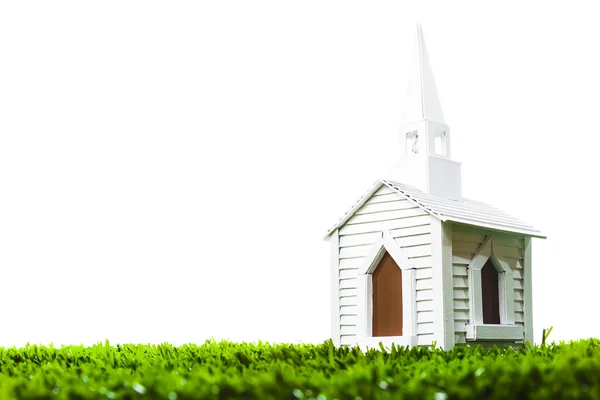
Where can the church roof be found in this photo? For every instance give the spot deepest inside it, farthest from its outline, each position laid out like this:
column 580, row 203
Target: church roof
column 465, row 211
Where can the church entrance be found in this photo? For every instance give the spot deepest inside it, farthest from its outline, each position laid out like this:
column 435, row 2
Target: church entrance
column 387, row 298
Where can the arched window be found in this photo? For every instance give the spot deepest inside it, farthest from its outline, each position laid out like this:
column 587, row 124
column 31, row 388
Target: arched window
column 386, row 308
column 387, row 298
column 490, row 294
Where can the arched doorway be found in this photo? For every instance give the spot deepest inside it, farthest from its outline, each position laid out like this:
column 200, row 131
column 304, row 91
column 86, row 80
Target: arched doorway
column 387, row 298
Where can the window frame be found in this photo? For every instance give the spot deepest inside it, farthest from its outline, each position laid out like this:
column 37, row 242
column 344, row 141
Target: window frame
column 364, row 318
column 476, row 329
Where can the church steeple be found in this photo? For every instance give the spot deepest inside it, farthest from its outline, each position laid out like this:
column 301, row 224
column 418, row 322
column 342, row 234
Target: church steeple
column 422, row 101
column 425, row 158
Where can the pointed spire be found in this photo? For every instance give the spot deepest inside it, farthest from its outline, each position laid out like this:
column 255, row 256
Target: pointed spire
column 422, row 102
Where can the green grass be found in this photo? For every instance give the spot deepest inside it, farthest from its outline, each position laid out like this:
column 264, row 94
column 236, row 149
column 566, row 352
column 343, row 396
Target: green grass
column 261, row 371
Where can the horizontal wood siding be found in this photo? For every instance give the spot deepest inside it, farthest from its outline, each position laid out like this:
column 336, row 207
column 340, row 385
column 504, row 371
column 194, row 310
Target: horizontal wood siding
column 411, row 228
column 464, row 247
column 465, row 242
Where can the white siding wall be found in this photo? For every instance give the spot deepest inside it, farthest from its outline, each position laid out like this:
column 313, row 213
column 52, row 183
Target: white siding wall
column 411, row 227
column 465, row 242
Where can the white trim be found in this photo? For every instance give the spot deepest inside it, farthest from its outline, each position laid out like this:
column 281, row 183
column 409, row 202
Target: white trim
column 505, row 290
column 442, row 284
column 409, row 309
column 494, row 332
column 527, row 290
column 334, row 243
column 361, row 202
column 385, row 242
column 478, row 261
column 363, row 305
column 499, row 226
column 364, row 319
column 448, row 281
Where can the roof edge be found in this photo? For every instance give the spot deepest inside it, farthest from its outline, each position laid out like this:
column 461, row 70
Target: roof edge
column 365, row 197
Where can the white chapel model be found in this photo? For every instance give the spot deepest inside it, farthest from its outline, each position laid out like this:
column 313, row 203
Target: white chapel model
column 414, row 263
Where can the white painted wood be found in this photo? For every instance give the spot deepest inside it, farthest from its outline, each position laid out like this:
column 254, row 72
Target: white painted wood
column 494, row 332
column 350, row 263
column 386, row 216
column 460, row 294
column 482, row 254
column 354, row 251
column 348, row 310
column 348, row 340
column 463, row 236
column 358, row 239
column 349, row 320
column 385, row 243
column 428, row 328
column 348, row 292
column 422, row 284
column 460, row 327
column 519, row 319
column 421, row 262
column 461, row 305
column 423, row 273
column 466, row 247
column 348, row 301
column 448, row 271
column 527, row 289
column 373, row 256
column 422, row 295
column 400, row 255
column 478, row 230
column 460, row 282
column 410, row 231
column 507, row 252
column 385, row 190
column 384, row 198
column 425, row 339
column 461, row 258
column 356, row 206
column 425, row 316
column 418, row 251
column 399, row 204
column 518, row 295
column 441, row 253
column 348, row 273
column 335, row 288
column 508, row 242
column 385, row 225
column 424, row 305
column 348, row 283
column 409, row 308
column 415, row 240
column 505, row 281
column 475, row 301
column 346, row 330
column 506, row 290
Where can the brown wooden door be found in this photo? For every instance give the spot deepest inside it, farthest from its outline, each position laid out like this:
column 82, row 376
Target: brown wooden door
column 387, row 298
column 490, row 294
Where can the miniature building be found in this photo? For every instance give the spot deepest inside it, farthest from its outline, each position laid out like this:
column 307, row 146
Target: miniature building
column 414, row 263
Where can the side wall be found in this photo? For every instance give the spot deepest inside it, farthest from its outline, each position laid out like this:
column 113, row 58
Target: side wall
column 465, row 242
column 411, row 228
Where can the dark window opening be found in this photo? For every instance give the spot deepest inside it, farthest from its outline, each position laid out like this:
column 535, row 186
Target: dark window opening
column 490, row 294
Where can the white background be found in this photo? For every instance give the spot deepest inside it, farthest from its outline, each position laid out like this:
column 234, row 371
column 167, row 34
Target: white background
column 168, row 169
